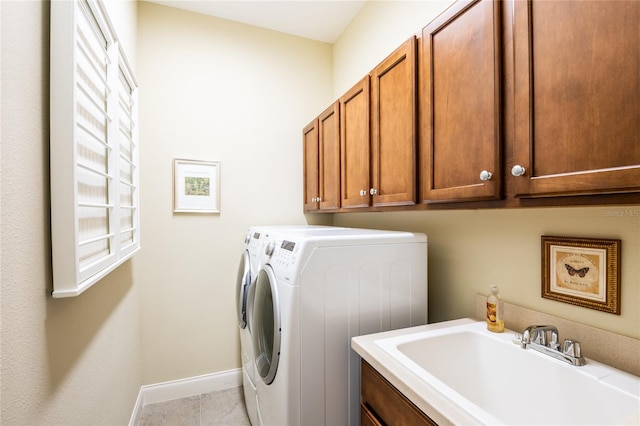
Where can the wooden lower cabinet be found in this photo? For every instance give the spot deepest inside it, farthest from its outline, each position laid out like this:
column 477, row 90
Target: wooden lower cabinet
column 368, row 417
column 383, row 404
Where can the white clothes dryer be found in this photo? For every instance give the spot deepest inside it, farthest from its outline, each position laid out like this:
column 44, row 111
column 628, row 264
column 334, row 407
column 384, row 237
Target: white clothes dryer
column 319, row 289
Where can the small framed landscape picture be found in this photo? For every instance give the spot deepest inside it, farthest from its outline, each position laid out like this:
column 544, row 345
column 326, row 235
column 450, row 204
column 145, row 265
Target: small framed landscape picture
column 196, row 187
column 582, row 271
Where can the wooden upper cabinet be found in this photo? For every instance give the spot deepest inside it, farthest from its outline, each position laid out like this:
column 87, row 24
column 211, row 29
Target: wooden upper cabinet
column 355, row 142
column 311, row 166
column 577, row 97
column 393, row 127
column 329, row 159
column 460, row 83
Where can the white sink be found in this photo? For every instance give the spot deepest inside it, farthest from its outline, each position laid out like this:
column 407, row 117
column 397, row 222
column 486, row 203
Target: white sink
column 494, row 381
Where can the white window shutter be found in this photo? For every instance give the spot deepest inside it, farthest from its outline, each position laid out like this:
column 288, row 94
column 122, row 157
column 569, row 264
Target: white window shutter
column 93, row 160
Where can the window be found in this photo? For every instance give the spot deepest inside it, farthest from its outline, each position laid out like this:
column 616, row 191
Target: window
column 94, row 148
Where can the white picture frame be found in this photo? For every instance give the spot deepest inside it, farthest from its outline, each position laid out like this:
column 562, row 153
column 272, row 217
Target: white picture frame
column 196, row 186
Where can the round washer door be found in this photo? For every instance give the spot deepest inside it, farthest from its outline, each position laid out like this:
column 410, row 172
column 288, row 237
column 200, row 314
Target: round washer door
column 243, row 283
column 266, row 324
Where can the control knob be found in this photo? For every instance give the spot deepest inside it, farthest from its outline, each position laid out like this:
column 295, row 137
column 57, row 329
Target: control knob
column 271, row 247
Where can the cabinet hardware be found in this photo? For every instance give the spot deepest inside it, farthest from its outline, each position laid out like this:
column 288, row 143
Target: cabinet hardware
column 518, row 170
column 485, row 175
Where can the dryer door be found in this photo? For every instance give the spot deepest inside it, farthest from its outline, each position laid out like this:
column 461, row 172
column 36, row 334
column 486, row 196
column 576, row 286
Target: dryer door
column 243, row 283
column 266, row 324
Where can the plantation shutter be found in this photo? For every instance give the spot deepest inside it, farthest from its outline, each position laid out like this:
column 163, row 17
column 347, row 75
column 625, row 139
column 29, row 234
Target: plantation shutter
column 93, row 160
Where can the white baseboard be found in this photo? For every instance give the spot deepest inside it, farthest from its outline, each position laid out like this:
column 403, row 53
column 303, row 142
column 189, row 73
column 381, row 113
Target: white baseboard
column 182, row 388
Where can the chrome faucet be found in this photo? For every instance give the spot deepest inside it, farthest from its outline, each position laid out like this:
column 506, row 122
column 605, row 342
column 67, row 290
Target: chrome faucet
column 535, row 337
column 538, row 334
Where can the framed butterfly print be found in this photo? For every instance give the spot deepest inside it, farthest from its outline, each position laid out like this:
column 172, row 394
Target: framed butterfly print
column 582, row 271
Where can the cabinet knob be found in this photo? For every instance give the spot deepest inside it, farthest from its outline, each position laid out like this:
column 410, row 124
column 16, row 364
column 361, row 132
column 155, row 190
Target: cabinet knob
column 373, row 191
column 318, row 199
column 363, row 192
column 485, row 175
column 518, row 170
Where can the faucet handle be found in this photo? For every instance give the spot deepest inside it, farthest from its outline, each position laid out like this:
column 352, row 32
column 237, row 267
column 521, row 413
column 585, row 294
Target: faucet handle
column 572, row 348
column 538, row 334
column 540, row 337
column 553, row 344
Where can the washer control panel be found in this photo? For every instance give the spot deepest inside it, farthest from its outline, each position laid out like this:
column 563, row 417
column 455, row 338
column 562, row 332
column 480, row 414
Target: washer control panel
column 284, row 256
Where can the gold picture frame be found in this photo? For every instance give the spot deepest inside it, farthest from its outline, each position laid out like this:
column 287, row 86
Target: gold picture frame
column 196, row 186
column 582, row 271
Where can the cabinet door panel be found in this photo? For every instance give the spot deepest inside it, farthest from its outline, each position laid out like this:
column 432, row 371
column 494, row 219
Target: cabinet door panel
column 310, row 165
column 577, row 70
column 354, row 141
column 394, row 127
column 460, row 98
column 329, row 136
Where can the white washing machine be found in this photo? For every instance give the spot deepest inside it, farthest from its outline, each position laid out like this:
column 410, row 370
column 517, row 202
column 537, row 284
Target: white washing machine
column 318, row 289
column 251, row 260
column 247, row 270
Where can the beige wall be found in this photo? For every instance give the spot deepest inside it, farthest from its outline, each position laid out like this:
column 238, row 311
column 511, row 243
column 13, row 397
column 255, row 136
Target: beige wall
column 378, row 29
column 471, row 249
column 221, row 91
column 64, row 361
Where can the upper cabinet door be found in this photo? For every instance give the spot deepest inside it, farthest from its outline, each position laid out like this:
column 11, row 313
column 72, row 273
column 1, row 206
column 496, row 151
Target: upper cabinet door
column 354, row 141
column 460, row 79
column 393, row 126
column 329, row 144
column 577, row 97
column 311, row 166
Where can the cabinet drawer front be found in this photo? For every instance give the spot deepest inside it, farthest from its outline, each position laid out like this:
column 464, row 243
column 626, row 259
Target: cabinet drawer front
column 367, row 417
column 387, row 402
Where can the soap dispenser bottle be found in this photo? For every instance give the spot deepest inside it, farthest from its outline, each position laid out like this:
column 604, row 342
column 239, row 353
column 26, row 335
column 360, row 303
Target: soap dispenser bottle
column 494, row 311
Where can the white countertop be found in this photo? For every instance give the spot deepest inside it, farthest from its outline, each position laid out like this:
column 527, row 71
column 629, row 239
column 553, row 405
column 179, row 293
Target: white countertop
column 426, row 398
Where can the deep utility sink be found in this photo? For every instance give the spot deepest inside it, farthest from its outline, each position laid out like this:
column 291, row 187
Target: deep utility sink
column 495, row 381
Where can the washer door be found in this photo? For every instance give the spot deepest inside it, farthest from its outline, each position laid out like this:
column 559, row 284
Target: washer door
column 243, row 283
column 266, row 324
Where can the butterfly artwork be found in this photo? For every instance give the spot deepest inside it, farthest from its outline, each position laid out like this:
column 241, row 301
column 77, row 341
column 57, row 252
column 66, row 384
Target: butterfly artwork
column 579, row 272
column 582, row 271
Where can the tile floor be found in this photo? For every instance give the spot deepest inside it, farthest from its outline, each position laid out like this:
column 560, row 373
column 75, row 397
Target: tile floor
column 220, row 408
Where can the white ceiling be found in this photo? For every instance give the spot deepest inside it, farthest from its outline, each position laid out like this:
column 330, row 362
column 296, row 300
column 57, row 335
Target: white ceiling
column 322, row 20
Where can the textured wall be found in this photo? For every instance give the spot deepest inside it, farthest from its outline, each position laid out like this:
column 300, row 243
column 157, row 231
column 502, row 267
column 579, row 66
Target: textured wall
column 71, row 361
